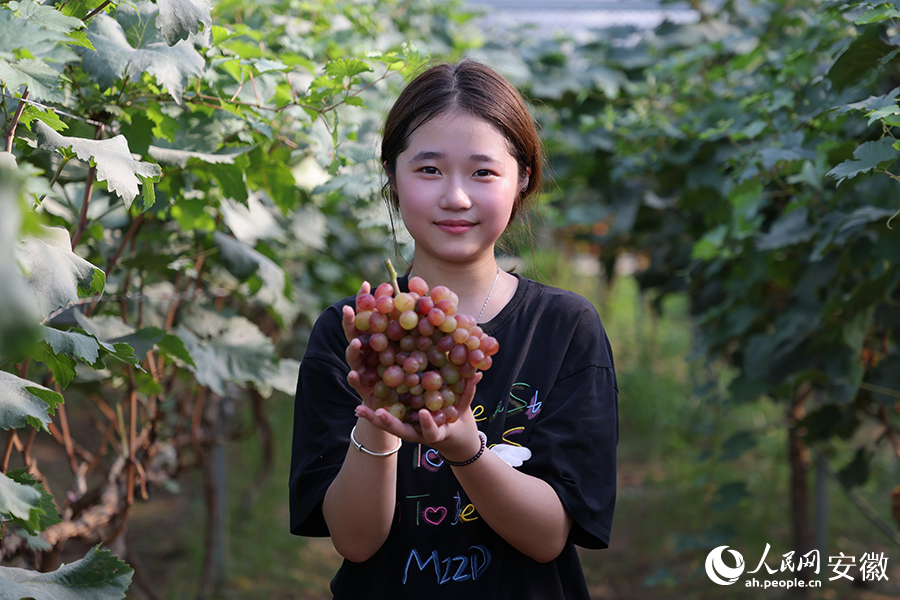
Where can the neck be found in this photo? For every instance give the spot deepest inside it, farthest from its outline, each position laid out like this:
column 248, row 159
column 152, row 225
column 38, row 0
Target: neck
column 471, row 281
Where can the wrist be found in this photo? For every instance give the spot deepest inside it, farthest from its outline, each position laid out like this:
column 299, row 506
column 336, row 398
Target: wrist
column 471, row 456
column 368, row 439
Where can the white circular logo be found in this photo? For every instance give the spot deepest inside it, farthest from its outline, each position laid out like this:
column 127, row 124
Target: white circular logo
column 721, row 573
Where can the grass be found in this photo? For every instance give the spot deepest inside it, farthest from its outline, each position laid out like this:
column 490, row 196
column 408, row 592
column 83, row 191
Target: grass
column 694, row 473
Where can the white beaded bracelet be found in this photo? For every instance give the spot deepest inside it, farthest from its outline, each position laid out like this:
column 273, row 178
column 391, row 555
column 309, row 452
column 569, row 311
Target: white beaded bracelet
column 362, row 448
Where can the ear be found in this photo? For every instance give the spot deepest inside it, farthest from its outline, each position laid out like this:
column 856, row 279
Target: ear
column 527, row 178
column 390, row 175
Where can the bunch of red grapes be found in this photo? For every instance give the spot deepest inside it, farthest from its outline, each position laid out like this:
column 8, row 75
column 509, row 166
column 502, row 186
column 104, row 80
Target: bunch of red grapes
column 417, row 350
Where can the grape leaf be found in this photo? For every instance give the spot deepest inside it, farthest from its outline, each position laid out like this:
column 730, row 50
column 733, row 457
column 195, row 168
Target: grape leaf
column 18, row 502
column 57, row 276
column 788, row 230
column 19, row 317
column 178, row 19
column 244, row 261
column 884, row 12
column 869, row 156
column 115, row 57
column 20, row 404
column 41, row 515
column 72, row 344
column 86, row 347
column 43, row 81
column 115, row 164
column 174, row 156
column 860, row 56
column 46, row 16
column 251, row 222
column 100, row 575
column 226, row 349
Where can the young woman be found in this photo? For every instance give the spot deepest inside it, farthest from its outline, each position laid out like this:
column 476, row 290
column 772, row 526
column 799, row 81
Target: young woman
column 426, row 512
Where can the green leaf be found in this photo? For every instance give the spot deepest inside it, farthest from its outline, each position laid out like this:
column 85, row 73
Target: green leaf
column 40, row 516
column 858, row 58
column 148, row 192
column 884, row 12
column 21, row 402
column 791, row 228
column 179, row 19
column 32, row 113
column 180, row 158
column 72, row 344
column 869, row 156
column 231, row 180
column 115, row 57
column 113, row 159
column 19, row 316
column 43, row 81
column 57, row 276
column 347, row 67
column 61, row 365
column 46, row 16
column 730, row 494
column 244, row 261
column 18, row 501
column 856, row 472
column 194, row 215
column 227, row 349
column 98, row 576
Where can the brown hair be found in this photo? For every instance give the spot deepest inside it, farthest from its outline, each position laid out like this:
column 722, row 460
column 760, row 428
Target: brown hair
column 468, row 87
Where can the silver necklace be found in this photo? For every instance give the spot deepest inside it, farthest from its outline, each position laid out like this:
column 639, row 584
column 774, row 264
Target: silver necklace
column 490, row 293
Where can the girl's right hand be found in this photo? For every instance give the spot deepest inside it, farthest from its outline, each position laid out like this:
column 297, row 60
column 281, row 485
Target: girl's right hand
column 354, row 347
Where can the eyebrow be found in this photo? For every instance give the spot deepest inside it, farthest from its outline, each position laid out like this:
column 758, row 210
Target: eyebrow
column 434, row 155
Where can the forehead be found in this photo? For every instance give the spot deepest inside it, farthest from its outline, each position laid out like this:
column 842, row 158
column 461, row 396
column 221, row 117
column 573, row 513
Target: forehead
column 458, row 132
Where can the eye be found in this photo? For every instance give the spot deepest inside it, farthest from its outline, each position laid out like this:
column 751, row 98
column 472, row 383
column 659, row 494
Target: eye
column 430, row 170
column 483, row 173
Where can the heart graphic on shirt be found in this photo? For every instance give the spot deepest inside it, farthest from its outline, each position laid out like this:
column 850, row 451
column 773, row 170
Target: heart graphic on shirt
column 434, row 514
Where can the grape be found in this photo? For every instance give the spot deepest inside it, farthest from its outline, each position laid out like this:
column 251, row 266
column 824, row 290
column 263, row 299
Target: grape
column 365, row 302
column 385, row 289
column 378, row 341
column 417, row 350
column 418, row 285
column 393, row 376
column 409, row 320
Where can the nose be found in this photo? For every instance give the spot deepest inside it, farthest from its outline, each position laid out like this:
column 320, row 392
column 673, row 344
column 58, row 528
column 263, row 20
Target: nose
column 454, row 196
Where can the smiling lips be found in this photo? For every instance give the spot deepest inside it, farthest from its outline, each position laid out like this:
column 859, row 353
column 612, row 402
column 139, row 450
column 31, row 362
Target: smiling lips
column 455, row 226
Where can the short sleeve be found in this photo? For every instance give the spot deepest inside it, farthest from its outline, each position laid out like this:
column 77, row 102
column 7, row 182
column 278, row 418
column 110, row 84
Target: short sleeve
column 574, row 441
column 323, row 418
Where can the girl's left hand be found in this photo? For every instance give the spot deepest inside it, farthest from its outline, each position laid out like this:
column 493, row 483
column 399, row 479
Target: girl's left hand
column 458, row 440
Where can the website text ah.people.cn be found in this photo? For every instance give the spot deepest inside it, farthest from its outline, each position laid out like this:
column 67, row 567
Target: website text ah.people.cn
column 871, row 566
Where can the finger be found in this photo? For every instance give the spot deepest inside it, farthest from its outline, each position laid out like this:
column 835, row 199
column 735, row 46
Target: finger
column 348, row 321
column 431, row 432
column 465, row 401
column 355, row 381
column 388, row 422
column 353, row 353
column 365, row 288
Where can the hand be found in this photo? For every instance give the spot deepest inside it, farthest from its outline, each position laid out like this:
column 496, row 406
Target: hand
column 354, row 346
column 457, row 441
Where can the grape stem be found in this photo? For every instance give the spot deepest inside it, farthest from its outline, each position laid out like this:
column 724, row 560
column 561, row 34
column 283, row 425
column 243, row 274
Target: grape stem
column 393, row 275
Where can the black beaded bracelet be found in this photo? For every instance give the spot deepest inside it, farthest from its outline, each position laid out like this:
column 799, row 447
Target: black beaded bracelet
column 471, row 460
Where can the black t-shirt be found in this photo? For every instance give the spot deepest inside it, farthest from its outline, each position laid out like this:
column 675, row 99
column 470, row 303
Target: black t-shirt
column 551, row 389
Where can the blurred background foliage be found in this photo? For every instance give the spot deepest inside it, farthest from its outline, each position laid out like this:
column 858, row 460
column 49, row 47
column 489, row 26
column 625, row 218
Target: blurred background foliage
column 186, row 186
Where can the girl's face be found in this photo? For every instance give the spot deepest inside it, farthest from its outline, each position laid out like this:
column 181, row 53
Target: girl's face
column 456, row 183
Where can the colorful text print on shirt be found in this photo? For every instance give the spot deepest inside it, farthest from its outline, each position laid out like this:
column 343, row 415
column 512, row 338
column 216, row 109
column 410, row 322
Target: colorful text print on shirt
column 429, row 513
column 453, row 568
column 522, row 399
column 427, row 457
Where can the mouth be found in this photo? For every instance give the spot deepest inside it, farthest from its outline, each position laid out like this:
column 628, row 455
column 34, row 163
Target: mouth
column 455, row 226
